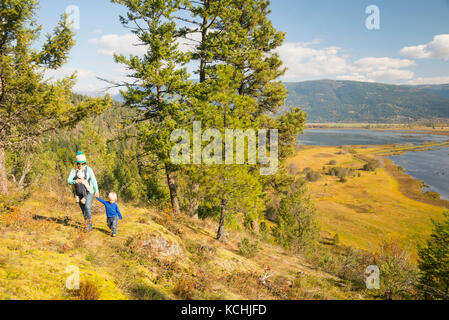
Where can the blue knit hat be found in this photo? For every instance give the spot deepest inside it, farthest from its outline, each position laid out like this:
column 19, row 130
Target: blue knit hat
column 80, row 157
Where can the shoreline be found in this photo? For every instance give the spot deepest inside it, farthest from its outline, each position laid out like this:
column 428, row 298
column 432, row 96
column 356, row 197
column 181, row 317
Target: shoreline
column 410, row 186
column 443, row 130
column 370, row 205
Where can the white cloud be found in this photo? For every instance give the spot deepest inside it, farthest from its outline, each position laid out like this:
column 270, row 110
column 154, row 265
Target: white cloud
column 438, row 48
column 385, row 69
column 112, row 43
column 86, row 80
column 65, row 72
column 354, row 77
column 372, row 64
column 130, row 44
column 430, row 80
column 417, row 52
column 391, row 75
column 189, row 43
column 304, row 62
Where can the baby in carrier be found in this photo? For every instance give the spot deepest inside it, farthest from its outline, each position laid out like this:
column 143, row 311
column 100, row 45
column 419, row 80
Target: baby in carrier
column 82, row 189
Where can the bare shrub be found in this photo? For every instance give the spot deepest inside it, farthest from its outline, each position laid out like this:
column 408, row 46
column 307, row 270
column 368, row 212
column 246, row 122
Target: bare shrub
column 88, row 291
column 185, row 288
column 248, row 248
column 313, row 176
column 398, row 273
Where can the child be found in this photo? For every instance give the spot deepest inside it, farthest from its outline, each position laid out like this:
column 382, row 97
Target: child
column 82, row 189
column 112, row 211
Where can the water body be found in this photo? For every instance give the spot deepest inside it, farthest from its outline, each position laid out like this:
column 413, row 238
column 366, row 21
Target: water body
column 335, row 137
column 431, row 166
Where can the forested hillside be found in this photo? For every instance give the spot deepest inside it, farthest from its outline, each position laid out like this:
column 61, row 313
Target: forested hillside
column 350, row 101
column 438, row 89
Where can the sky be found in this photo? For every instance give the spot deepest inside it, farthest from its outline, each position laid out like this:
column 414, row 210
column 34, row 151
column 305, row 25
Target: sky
column 388, row 41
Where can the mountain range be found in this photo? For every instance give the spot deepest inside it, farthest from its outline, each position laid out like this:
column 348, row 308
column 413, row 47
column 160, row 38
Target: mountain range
column 352, row 101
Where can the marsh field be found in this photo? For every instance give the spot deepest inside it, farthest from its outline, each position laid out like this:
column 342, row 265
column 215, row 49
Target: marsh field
column 394, row 200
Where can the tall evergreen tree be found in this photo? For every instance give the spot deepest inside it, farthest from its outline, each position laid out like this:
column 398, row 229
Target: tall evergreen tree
column 160, row 80
column 232, row 187
column 249, row 45
column 203, row 30
column 238, row 33
column 29, row 105
column 232, row 45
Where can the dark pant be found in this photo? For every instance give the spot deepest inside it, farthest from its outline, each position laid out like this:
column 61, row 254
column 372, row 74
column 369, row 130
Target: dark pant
column 87, row 210
column 81, row 191
column 112, row 224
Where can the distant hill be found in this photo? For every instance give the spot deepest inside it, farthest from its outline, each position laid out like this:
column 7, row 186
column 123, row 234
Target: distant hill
column 94, row 94
column 439, row 89
column 351, row 101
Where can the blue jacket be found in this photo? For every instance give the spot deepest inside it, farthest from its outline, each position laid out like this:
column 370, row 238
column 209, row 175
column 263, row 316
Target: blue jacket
column 112, row 209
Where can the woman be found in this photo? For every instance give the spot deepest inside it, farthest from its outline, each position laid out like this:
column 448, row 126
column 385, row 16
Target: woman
column 89, row 175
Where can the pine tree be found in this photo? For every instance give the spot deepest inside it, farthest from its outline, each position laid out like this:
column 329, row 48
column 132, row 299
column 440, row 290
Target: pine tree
column 161, row 81
column 232, row 47
column 232, row 188
column 249, row 46
column 434, row 262
column 238, row 33
column 296, row 227
column 29, row 105
column 206, row 23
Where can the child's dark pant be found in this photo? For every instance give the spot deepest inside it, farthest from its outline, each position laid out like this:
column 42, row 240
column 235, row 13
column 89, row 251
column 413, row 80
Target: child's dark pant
column 112, row 224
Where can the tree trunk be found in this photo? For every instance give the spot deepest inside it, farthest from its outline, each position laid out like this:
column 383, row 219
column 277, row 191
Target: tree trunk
column 3, row 176
column 220, row 232
column 26, row 170
column 173, row 193
column 194, row 201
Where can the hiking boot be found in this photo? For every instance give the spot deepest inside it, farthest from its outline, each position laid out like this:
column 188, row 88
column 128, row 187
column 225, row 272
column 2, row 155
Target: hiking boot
column 114, row 235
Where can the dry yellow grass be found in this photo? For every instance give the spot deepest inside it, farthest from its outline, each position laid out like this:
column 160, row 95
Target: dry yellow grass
column 44, row 239
column 366, row 209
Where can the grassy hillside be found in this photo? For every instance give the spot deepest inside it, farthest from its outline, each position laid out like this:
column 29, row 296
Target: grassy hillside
column 350, row 101
column 155, row 256
column 160, row 256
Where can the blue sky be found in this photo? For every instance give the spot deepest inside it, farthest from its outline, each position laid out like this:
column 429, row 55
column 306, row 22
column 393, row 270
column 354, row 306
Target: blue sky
column 325, row 39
